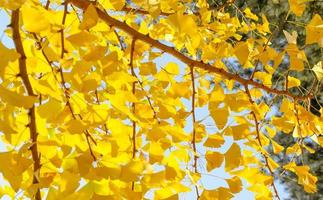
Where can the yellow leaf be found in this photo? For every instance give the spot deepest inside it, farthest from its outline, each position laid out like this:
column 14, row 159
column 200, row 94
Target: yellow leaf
column 7, row 55
column 90, row 18
column 50, row 109
column 241, row 50
column 156, row 152
column 235, row 184
column 305, row 178
column 219, row 193
column 214, row 160
column 102, row 187
column 172, row 68
column 239, row 132
column 132, row 170
column 264, row 77
column 297, row 6
column 35, row 19
column 75, row 126
column 293, row 82
column 220, row 116
column 250, row 15
column 82, row 38
column 232, row 157
column 291, row 38
column 271, row 132
column 148, row 68
column 113, row 4
column 16, row 99
column 78, row 102
column 12, row 5
column 272, row 164
column 43, row 87
column 314, row 31
column 217, row 95
column 214, row 141
column 170, row 190
column 318, row 70
column 276, row 147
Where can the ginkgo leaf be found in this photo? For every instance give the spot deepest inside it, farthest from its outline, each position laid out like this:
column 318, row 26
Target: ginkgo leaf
column 214, row 160
column 214, row 141
column 7, row 55
column 232, row 157
column 148, row 68
column 82, row 38
column 293, row 82
column 305, row 178
column 219, row 193
column 220, row 116
column 132, row 170
column 235, row 184
column 291, row 38
column 35, row 19
column 76, row 126
column 318, row 70
column 250, row 15
column 172, row 68
column 314, row 31
column 90, row 18
column 16, row 99
column 264, row 77
column 297, row 6
column 276, row 147
column 242, row 52
column 170, row 190
column 272, row 164
column 12, row 5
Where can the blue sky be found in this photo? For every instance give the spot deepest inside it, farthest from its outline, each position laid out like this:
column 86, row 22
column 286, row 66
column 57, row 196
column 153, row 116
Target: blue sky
column 209, row 181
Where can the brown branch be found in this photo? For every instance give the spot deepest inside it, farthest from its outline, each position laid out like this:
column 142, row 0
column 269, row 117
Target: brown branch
column 47, row 4
column 32, row 116
column 194, row 130
column 133, row 43
column 134, row 125
column 83, row 4
column 260, row 144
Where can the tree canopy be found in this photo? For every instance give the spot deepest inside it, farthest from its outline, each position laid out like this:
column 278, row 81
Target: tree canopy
column 88, row 111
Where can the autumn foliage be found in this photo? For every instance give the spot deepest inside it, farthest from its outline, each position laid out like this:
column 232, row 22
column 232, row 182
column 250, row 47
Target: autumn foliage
column 88, row 111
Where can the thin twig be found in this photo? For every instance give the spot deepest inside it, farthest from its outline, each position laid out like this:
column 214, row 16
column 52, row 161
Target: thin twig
column 66, row 90
column 194, row 130
column 260, row 144
column 134, row 125
column 140, row 82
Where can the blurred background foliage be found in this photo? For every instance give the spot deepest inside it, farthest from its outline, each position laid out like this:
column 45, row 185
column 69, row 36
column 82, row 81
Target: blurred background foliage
column 279, row 17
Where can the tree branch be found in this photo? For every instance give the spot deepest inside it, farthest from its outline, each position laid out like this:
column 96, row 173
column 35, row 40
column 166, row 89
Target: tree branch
column 83, row 4
column 194, row 130
column 32, row 115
